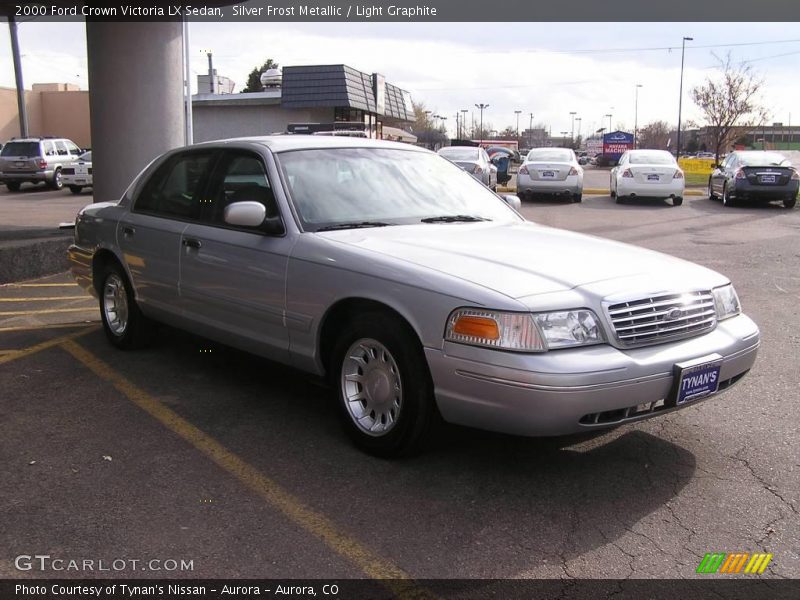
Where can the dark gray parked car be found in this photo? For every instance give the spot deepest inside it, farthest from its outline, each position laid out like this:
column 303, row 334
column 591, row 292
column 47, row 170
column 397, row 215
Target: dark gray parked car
column 414, row 288
column 754, row 175
column 36, row 160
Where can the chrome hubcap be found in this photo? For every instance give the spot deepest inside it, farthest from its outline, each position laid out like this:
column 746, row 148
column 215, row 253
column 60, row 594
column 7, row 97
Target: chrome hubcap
column 371, row 387
column 115, row 304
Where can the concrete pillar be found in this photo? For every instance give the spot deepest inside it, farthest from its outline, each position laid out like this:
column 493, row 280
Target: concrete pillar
column 136, row 99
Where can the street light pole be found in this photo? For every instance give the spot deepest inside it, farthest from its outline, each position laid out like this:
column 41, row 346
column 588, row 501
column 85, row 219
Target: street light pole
column 572, row 131
column 578, row 119
column 530, row 133
column 481, row 106
column 517, row 112
column 680, row 97
column 464, row 112
column 636, row 117
column 609, row 121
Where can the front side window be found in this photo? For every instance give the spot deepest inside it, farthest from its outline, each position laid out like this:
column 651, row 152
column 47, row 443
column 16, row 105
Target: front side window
column 242, row 178
column 174, row 189
column 353, row 185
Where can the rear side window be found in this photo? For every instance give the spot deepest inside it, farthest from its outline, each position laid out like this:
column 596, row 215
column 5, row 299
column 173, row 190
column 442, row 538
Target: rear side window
column 174, row 189
column 61, row 149
column 20, row 149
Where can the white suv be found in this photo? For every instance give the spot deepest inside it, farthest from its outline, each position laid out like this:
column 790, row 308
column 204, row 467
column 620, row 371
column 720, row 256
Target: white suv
column 36, row 159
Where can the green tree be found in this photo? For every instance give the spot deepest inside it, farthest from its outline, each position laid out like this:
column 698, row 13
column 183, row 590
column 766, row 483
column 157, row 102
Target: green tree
column 254, row 78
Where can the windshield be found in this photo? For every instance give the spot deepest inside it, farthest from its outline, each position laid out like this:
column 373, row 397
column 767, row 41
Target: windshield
column 459, row 153
column 763, row 159
column 387, row 186
column 20, row 149
column 652, row 158
column 550, row 155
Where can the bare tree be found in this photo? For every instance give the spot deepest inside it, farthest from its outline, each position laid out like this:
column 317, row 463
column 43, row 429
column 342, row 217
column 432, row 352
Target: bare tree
column 729, row 101
column 655, row 135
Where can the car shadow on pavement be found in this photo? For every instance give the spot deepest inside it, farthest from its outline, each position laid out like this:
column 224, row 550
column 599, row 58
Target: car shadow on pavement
column 520, row 501
column 609, row 203
column 741, row 206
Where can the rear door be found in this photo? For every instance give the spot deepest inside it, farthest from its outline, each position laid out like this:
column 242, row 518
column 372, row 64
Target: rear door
column 233, row 279
column 150, row 235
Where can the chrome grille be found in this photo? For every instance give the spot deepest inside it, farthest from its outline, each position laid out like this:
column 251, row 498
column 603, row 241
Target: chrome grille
column 662, row 318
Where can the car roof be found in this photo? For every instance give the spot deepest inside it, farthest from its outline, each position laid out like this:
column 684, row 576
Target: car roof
column 289, row 142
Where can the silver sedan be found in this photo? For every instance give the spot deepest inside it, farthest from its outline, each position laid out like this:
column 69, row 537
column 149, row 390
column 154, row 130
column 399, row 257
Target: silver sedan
column 412, row 287
column 550, row 171
column 474, row 161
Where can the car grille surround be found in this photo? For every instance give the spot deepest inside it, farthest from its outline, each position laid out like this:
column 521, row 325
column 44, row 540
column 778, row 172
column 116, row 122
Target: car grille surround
column 662, row 318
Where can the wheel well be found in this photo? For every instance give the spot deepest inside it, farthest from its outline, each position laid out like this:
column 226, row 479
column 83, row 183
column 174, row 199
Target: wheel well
column 338, row 315
column 101, row 259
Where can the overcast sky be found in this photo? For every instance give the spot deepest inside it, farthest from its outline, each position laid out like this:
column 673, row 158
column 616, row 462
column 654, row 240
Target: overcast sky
column 549, row 69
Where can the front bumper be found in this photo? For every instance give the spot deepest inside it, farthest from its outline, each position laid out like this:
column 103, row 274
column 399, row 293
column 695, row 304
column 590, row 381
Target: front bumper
column 569, row 391
column 672, row 189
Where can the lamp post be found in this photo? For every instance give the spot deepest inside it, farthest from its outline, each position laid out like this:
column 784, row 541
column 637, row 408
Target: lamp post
column 464, row 112
column 481, row 107
column 609, row 120
column 458, row 127
column 579, row 119
column 636, row 117
column 680, row 97
column 572, row 130
column 530, row 133
column 517, row 112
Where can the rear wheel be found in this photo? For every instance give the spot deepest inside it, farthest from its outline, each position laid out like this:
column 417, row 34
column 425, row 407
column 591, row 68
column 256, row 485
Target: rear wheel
column 677, row 201
column 577, row 197
column 56, row 182
column 611, row 189
column 75, row 189
column 383, row 385
column 13, row 186
column 726, row 196
column 790, row 202
column 124, row 324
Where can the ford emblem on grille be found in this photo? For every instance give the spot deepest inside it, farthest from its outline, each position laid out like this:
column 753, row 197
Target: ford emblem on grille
column 673, row 314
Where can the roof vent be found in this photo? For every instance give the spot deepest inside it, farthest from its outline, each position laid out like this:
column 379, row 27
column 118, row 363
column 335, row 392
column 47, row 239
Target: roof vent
column 271, row 78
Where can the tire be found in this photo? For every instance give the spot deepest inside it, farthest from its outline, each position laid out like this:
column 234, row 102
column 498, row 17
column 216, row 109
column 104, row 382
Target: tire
column 75, row 189
column 56, row 183
column 726, row 199
column 13, row 186
column 711, row 194
column 677, row 201
column 611, row 191
column 577, row 197
column 619, row 199
column 125, row 325
column 377, row 352
column 790, row 202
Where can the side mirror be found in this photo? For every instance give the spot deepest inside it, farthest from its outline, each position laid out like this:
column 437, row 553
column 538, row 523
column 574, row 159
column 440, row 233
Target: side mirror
column 245, row 214
column 513, row 201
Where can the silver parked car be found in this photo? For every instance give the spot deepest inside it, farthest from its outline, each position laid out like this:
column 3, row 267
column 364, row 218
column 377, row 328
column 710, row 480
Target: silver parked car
column 414, row 288
column 78, row 174
column 36, row 160
column 474, row 161
column 550, row 171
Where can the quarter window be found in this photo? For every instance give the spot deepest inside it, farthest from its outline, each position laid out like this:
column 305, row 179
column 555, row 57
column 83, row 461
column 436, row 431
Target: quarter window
column 174, row 189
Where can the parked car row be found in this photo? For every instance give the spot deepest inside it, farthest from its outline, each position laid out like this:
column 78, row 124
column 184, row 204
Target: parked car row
column 45, row 160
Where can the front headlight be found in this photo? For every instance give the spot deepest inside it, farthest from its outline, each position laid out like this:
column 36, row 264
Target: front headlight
column 524, row 332
column 568, row 328
column 726, row 302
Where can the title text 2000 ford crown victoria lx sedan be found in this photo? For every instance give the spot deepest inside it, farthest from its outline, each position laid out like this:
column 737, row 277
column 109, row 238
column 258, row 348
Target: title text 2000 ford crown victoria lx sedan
column 412, row 286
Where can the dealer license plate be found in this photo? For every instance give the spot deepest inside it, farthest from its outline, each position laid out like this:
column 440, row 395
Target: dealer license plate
column 697, row 380
column 549, row 174
column 652, row 178
column 767, row 179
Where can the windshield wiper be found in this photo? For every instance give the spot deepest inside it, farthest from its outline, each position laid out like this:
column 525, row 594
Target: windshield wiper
column 454, row 219
column 355, row 225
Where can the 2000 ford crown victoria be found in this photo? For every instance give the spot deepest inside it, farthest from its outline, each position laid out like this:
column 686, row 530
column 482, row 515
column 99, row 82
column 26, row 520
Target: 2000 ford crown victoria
column 409, row 284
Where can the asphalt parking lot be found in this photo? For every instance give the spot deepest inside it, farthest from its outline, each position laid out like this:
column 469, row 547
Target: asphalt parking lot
column 191, row 451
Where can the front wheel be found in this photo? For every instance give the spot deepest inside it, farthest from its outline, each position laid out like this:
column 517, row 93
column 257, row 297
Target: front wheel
column 790, row 202
column 124, row 324
column 383, row 385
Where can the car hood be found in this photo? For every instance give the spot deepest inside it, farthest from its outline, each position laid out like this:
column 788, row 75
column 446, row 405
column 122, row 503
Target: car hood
column 526, row 259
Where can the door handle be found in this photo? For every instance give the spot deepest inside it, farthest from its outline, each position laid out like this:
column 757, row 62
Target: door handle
column 191, row 243
column 128, row 231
